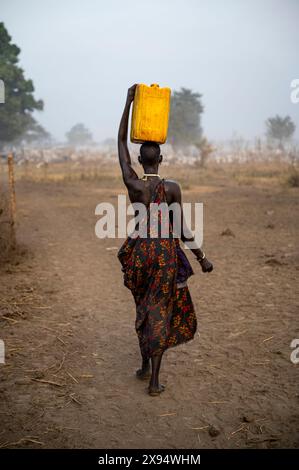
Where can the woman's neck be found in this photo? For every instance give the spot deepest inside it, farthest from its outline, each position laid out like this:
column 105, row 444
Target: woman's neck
column 151, row 170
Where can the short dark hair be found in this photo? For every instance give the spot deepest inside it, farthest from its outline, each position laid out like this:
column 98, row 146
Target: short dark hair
column 150, row 153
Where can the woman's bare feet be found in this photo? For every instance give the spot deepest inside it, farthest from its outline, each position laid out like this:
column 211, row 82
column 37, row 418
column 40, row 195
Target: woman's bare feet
column 144, row 372
column 155, row 388
column 154, row 391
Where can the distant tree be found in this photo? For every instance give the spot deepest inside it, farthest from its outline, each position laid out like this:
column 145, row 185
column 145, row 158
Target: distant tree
column 205, row 149
column 36, row 135
column 16, row 112
column 109, row 142
column 79, row 135
column 280, row 129
column 185, row 118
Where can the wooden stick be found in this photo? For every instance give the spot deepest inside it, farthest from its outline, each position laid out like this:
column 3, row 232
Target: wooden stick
column 12, row 198
column 50, row 382
column 72, row 377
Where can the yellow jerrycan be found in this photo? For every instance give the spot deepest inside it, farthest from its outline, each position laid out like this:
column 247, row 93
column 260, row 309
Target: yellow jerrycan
column 150, row 114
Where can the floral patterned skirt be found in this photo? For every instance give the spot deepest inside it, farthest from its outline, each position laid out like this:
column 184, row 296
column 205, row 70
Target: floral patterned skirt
column 156, row 271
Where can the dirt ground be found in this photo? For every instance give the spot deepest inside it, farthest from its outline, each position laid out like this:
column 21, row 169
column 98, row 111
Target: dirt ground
column 68, row 325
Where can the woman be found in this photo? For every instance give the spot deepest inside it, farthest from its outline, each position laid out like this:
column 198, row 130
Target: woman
column 155, row 267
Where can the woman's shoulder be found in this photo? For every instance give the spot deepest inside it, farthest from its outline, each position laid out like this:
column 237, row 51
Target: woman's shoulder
column 172, row 190
column 171, row 183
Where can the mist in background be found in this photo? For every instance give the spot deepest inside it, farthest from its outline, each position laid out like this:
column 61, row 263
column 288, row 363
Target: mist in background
column 82, row 57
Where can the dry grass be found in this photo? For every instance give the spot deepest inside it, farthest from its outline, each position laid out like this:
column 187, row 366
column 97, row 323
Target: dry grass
column 293, row 179
column 108, row 174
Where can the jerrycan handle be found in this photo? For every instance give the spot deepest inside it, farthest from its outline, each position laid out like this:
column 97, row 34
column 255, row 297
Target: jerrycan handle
column 155, row 85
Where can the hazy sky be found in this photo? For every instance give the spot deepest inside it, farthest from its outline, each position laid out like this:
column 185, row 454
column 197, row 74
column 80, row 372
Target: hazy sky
column 83, row 55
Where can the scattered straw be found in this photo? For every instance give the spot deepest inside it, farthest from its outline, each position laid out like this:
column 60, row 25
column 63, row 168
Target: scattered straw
column 49, row 382
column 23, row 440
column 267, row 339
column 201, row 428
column 72, row 377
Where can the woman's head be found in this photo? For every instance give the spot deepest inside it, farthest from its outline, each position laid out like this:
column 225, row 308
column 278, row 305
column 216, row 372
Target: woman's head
column 150, row 155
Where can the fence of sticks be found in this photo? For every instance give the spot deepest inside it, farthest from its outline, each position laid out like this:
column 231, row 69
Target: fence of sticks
column 7, row 206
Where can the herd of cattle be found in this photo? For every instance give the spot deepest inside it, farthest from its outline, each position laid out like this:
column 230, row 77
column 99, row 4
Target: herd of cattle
column 186, row 156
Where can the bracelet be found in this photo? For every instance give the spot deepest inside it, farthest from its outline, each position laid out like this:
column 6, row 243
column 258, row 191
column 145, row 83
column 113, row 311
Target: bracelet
column 201, row 258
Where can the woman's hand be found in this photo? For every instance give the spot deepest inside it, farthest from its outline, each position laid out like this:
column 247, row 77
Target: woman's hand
column 206, row 265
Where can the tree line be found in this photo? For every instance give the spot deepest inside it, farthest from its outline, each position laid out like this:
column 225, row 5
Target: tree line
column 19, row 127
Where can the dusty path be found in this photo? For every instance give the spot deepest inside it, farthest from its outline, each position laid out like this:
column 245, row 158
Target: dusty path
column 69, row 321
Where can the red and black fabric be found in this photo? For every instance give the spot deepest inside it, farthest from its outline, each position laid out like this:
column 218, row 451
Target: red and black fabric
column 153, row 269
